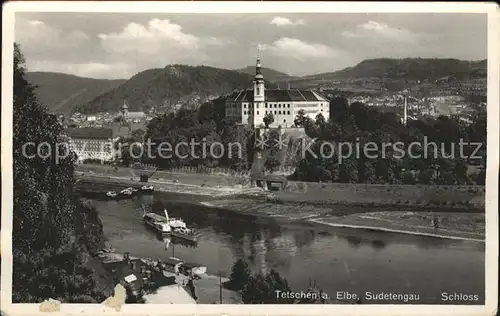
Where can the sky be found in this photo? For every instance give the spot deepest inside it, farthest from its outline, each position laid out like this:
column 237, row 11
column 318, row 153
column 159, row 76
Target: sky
column 119, row 45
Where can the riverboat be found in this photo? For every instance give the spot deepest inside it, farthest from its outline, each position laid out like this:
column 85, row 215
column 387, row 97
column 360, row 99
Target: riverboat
column 157, row 222
column 178, row 266
column 111, row 194
column 147, row 189
column 195, row 269
column 172, row 264
column 179, row 228
column 184, row 233
column 128, row 192
column 134, row 190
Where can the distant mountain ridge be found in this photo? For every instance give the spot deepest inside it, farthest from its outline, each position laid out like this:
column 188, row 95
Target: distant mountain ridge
column 195, row 84
column 408, row 68
column 63, row 92
column 170, row 85
column 267, row 73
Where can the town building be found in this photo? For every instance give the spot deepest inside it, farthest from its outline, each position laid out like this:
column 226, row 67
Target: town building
column 132, row 116
column 252, row 105
column 91, row 143
column 97, row 142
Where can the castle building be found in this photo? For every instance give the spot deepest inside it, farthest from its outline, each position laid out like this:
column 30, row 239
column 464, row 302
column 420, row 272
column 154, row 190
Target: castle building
column 252, row 105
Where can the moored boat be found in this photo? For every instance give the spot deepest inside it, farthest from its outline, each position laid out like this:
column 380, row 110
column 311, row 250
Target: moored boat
column 172, row 264
column 147, row 189
column 111, row 194
column 127, row 192
column 134, row 190
column 184, row 233
column 195, row 269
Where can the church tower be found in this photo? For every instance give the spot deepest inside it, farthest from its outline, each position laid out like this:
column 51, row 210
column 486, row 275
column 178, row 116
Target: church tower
column 124, row 110
column 258, row 93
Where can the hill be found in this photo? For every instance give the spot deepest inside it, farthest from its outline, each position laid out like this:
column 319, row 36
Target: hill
column 268, row 73
column 424, row 69
column 170, row 85
column 63, row 93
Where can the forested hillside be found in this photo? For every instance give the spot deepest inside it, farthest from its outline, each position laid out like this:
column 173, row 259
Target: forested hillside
column 63, row 93
column 170, row 85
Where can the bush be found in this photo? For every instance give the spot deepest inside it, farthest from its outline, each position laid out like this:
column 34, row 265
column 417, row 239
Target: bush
column 262, row 289
column 240, row 275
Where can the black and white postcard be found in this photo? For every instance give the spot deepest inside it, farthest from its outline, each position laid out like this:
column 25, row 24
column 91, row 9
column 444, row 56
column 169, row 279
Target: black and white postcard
column 208, row 158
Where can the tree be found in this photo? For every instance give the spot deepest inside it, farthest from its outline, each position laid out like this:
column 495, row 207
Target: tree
column 268, row 119
column 240, row 274
column 53, row 233
column 262, row 289
column 320, row 120
column 138, row 134
column 300, row 119
column 273, row 153
column 128, row 149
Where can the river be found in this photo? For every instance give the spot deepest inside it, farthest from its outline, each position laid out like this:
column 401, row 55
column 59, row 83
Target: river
column 336, row 259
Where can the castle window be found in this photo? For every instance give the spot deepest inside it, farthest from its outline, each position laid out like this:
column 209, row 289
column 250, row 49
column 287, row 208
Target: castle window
column 279, row 106
column 284, row 121
column 245, row 112
column 279, row 112
column 258, row 90
column 244, row 105
column 274, row 112
column 257, row 112
column 288, row 105
column 274, row 105
column 288, row 113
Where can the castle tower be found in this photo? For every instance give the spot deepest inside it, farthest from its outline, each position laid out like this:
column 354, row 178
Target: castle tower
column 258, row 92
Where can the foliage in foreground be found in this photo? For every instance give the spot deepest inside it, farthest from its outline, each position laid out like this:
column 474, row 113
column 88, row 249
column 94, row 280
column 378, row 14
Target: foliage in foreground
column 54, row 234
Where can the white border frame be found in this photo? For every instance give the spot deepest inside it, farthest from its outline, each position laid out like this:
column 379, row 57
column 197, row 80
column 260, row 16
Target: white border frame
column 491, row 204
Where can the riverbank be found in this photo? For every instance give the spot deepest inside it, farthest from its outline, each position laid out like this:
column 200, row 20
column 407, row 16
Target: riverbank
column 455, row 221
column 463, row 198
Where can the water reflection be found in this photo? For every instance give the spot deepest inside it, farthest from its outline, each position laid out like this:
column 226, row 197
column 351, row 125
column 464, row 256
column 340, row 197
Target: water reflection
column 378, row 244
column 353, row 241
column 354, row 260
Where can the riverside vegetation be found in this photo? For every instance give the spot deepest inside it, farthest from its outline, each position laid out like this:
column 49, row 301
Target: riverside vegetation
column 354, row 123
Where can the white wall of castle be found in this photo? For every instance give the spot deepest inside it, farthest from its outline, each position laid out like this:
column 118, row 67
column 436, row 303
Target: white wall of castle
column 284, row 112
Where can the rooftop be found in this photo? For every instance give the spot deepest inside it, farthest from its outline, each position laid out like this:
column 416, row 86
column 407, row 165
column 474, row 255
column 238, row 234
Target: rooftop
column 90, row 132
column 288, row 95
column 122, row 269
